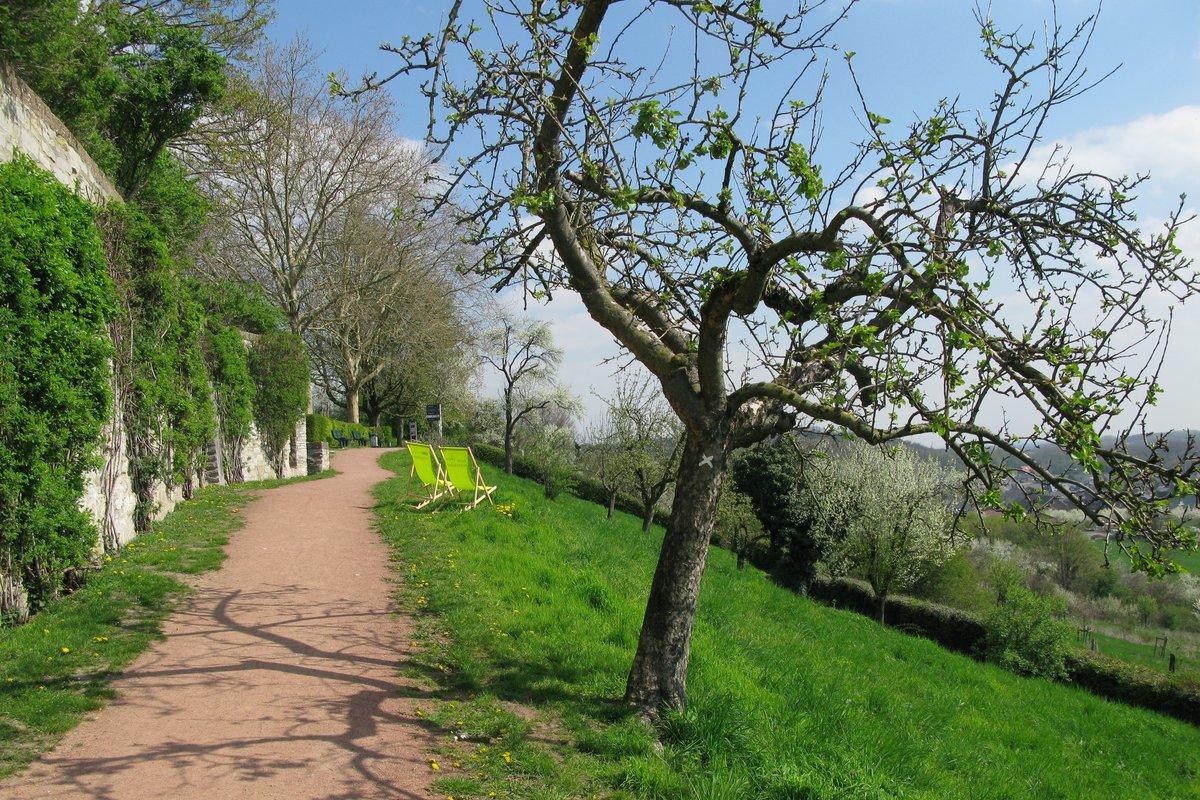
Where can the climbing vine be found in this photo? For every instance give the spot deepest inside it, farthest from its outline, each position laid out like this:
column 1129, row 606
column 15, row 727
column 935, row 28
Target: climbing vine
column 162, row 379
column 55, row 301
column 281, row 373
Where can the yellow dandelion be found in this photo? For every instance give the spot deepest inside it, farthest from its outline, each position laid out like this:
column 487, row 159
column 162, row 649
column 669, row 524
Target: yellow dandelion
column 65, row 650
column 433, row 765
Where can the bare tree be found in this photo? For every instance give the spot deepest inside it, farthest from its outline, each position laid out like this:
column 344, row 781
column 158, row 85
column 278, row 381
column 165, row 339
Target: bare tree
column 395, row 296
column 523, row 352
column 682, row 203
column 647, row 436
column 286, row 163
column 601, row 458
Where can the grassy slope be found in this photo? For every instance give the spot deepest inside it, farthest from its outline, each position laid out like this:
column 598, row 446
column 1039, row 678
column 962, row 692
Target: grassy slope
column 789, row 699
column 57, row 668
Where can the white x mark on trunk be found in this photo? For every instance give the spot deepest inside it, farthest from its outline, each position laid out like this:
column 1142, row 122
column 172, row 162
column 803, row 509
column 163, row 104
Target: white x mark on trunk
column 706, row 461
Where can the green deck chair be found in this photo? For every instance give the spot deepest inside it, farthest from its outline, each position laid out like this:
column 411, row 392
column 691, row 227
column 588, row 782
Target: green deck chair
column 462, row 470
column 428, row 471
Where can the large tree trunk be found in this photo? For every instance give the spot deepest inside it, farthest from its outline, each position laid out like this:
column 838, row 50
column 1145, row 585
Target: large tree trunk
column 352, row 405
column 659, row 674
column 612, row 503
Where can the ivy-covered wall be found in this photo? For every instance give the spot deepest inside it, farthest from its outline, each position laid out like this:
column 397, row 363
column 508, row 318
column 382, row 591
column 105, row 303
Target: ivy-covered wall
column 55, row 303
column 121, row 382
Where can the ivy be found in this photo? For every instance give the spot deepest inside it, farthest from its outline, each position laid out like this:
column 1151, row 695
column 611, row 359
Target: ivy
column 280, row 368
column 55, row 300
column 162, row 376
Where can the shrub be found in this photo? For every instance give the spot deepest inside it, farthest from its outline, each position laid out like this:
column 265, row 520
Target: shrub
column 956, row 582
column 321, row 428
column 950, row 627
column 1026, row 634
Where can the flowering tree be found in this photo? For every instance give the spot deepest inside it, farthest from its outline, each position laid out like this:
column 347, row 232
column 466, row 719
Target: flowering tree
column 886, row 512
column 681, row 204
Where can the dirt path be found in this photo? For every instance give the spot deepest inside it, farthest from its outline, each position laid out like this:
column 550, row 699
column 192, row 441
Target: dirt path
column 278, row 680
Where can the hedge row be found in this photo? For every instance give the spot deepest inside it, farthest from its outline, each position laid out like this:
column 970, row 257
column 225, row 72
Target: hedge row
column 583, row 487
column 953, row 629
column 1112, row 678
column 1174, row 695
column 320, row 429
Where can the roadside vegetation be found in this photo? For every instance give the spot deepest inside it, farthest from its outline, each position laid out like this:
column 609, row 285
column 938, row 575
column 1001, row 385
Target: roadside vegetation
column 58, row 667
column 528, row 619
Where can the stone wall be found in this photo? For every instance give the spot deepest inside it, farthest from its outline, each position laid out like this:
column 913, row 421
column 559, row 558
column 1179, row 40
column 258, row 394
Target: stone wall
column 28, row 126
column 256, row 464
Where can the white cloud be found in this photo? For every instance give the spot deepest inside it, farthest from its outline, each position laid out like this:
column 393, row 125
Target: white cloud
column 1166, row 145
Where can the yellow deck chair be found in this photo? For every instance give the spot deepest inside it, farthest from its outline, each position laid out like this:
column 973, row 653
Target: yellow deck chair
column 428, row 470
column 462, row 470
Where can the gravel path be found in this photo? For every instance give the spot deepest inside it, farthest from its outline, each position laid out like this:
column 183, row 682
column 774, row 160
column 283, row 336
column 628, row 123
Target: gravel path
column 277, row 680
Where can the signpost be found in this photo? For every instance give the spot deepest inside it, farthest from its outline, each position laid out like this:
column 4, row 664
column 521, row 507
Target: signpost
column 433, row 413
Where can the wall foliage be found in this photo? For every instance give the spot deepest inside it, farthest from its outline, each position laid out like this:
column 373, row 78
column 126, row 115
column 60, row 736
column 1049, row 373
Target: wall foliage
column 55, row 301
column 280, row 368
column 162, row 379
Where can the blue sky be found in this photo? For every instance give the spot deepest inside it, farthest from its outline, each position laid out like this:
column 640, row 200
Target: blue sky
column 909, row 54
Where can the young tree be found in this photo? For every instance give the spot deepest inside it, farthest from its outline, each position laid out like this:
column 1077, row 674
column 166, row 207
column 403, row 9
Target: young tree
column 601, row 459
column 523, row 352
column 737, row 527
column 678, row 201
column 887, row 513
column 548, row 439
column 647, row 436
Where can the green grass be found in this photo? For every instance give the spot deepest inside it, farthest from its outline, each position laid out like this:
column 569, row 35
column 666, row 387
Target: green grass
column 528, row 628
column 1188, row 559
column 1143, row 654
column 57, row 667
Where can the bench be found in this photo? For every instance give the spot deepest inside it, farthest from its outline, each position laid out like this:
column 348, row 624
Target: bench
column 359, row 439
column 339, row 438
